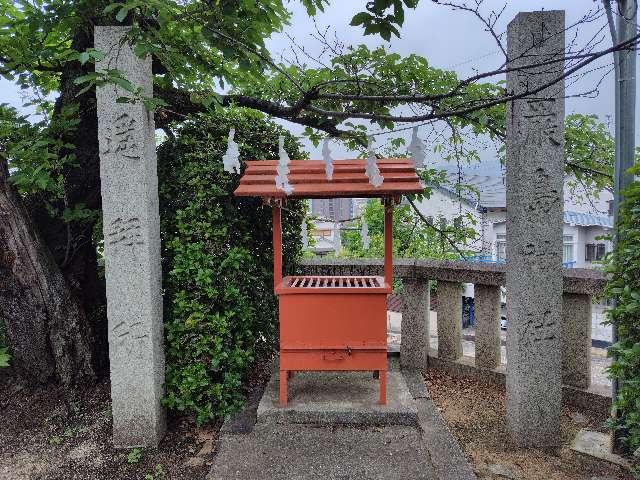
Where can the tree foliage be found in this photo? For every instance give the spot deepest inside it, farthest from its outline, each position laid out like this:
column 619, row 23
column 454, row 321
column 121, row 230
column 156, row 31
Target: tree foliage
column 220, row 309
column 412, row 238
column 624, row 288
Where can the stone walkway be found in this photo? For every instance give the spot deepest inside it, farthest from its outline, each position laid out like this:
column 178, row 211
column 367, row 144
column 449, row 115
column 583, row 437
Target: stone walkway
column 320, row 437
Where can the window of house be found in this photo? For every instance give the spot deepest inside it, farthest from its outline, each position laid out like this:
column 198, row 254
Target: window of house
column 610, row 205
column 595, row 252
column 430, row 220
column 501, row 246
column 567, row 248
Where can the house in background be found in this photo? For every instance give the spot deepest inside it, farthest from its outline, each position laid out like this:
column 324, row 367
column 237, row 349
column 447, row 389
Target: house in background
column 482, row 206
column 325, row 237
column 333, row 209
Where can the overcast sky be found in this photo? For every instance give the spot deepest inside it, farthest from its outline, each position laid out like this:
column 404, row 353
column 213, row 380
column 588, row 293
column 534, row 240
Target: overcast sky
column 449, row 40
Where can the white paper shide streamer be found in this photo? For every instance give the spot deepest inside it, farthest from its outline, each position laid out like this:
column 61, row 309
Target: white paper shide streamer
column 282, row 179
column 417, row 149
column 364, row 234
column 372, row 170
column 231, row 158
column 326, row 158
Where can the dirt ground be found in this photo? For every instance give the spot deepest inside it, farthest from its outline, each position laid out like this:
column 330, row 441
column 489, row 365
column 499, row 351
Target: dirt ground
column 44, row 437
column 475, row 413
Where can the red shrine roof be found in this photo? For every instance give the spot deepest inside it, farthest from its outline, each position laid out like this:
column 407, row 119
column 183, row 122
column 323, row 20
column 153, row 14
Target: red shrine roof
column 308, row 179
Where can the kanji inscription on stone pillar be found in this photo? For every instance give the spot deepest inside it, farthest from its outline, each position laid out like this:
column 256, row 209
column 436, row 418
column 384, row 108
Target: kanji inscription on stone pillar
column 535, row 166
column 131, row 224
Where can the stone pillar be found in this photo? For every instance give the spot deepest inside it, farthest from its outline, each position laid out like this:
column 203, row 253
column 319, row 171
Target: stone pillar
column 535, row 140
column 487, row 313
column 576, row 340
column 449, row 320
column 131, row 222
column 415, row 324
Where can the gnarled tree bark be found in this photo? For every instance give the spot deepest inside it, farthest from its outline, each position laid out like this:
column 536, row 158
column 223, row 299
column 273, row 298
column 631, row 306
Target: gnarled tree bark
column 45, row 322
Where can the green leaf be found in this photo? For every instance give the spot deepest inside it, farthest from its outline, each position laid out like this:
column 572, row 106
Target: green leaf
column 360, row 18
column 111, row 7
column 84, row 57
column 122, row 13
column 4, row 358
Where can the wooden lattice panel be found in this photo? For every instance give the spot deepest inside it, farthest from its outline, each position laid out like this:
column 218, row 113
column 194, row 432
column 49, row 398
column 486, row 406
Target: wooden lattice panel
column 332, row 284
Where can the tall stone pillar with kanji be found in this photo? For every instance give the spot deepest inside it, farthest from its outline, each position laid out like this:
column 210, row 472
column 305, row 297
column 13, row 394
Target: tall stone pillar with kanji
column 131, row 226
column 535, row 172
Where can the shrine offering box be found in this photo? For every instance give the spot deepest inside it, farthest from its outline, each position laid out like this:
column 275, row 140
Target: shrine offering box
column 332, row 323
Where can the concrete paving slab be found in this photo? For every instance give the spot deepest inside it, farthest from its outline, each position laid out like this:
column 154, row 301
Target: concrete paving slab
column 596, row 444
column 333, row 398
column 308, row 452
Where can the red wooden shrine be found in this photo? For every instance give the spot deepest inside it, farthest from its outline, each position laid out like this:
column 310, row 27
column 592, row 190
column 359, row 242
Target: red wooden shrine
column 330, row 323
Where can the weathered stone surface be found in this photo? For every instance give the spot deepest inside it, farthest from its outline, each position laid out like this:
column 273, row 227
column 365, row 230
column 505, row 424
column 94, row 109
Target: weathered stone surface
column 132, row 247
column 535, row 171
column 487, row 314
column 596, row 444
column 311, row 452
column 330, row 398
column 576, row 340
column 415, row 324
column 575, row 280
column 449, row 320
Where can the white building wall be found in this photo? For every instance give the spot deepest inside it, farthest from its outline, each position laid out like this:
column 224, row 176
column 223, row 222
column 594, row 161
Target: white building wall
column 581, row 236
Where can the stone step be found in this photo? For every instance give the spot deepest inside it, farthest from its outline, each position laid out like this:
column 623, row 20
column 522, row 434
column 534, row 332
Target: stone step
column 334, row 398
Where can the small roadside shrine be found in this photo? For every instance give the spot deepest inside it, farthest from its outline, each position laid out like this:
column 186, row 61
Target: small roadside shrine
column 331, row 323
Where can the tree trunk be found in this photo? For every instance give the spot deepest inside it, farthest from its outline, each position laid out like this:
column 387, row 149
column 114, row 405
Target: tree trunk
column 46, row 324
column 71, row 244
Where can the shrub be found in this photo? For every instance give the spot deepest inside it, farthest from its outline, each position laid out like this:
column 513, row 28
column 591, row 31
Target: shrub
column 220, row 309
column 624, row 286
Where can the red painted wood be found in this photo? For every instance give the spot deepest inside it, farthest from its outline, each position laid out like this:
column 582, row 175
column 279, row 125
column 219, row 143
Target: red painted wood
column 388, row 242
column 349, row 180
column 304, row 178
column 332, row 323
column 333, row 360
column 301, row 285
column 329, row 190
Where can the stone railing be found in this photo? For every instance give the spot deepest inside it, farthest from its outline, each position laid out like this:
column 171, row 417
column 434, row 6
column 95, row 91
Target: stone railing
column 580, row 285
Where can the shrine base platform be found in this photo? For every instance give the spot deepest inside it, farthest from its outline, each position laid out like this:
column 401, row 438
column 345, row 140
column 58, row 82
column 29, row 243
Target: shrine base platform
column 340, row 398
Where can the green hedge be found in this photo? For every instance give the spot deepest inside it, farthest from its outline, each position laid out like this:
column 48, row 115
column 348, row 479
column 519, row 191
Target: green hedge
column 624, row 286
column 220, row 310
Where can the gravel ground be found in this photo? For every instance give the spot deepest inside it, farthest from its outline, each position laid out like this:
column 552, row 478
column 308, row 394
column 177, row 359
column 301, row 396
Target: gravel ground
column 475, row 413
column 44, row 437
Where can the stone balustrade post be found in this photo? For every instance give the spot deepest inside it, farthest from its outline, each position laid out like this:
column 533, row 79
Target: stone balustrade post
column 415, row 324
column 449, row 320
column 576, row 340
column 487, row 314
